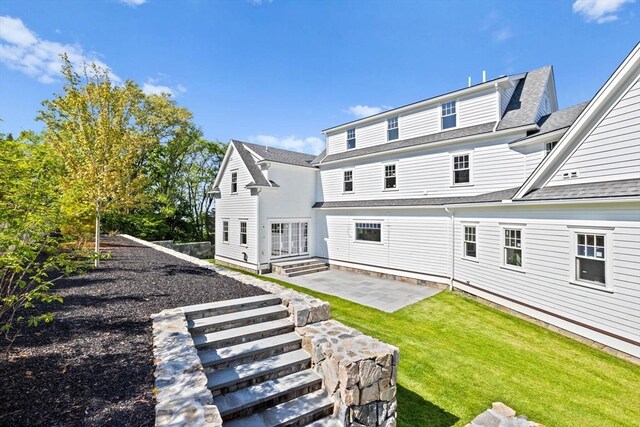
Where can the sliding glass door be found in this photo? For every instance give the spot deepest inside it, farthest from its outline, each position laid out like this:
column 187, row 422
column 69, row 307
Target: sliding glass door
column 289, row 238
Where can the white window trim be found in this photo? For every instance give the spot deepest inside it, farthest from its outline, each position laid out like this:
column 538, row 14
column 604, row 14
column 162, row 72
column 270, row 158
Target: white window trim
column 355, row 138
column 370, row 221
column 231, row 182
column 397, row 127
column 452, row 174
column 226, row 242
column 290, row 221
column 608, row 260
column 246, row 232
column 503, row 262
column 457, row 104
column 464, row 252
column 353, row 186
column 384, row 177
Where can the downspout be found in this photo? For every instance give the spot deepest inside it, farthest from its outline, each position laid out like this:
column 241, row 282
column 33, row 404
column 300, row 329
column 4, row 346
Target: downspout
column 453, row 249
column 498, row 106
column 258, row 269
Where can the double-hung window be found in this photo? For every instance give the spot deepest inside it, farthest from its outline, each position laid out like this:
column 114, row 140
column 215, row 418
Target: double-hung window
column 225, row 231
column 243, row 233
column 348, row 182
column 590, row 258
column 548, row 146
column 462, row 169
column 368, row 231
column 470, row 250
column 392, row 129
column 234, row 182
column 351, row 138
column 390, row 177
column 513, row 247
column 449, row 115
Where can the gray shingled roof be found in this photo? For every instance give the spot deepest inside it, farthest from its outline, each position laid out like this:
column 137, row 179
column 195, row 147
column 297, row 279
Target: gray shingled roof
column 420, row 140
column 526, row 98
column 622, row 188
column 495, row 196
column 249, row 162
column 279, row 155
column 560, row 119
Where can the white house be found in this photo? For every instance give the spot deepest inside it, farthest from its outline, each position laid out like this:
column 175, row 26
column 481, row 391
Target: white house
column 489, row 189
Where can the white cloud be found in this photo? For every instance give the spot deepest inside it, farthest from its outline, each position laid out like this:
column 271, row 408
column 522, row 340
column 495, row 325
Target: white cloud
column 360, row 111
column 259, row 2
column 501, row 35
column 493, row 24
column 21, row 49
column 599, row 11
column 133, row 3
column 153, row 89
column 310, row 145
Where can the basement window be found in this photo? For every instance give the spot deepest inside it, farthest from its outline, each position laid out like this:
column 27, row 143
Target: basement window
column 369, row 231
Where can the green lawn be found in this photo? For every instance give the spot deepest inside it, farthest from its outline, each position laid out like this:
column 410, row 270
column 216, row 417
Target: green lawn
column 457, row 356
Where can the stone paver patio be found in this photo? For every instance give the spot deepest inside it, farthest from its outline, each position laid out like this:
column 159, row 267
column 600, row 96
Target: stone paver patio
column 383, row 294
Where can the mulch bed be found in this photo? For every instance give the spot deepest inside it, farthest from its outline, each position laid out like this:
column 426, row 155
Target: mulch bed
column 93, row 365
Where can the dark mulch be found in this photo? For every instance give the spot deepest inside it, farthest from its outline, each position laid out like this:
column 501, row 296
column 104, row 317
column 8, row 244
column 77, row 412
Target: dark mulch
column 93, row 364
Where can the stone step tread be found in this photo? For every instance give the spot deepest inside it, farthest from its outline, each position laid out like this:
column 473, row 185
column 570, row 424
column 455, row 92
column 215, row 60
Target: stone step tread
column 304, row 267
column 246, row 315
column 286, row 264
column 247, row 349
column 229, row 376
column 249, row 397
column 331, row 421
column 307, row 271
column 286, row 413
column 238, row 304
column 241, row 332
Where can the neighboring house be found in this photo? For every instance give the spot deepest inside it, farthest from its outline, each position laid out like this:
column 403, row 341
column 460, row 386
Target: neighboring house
column 490, row 189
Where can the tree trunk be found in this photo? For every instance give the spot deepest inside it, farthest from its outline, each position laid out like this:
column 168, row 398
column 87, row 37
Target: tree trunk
column 97, row 247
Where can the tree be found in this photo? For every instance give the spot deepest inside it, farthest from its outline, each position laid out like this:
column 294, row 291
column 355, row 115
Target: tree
column 31, row 259
column 95, row 127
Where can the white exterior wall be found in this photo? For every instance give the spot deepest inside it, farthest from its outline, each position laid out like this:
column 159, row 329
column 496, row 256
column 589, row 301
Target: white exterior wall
column 293, row 199
column 471, row 110
column 413, row 241
column 234, row 207
column 495, row 166
column 548, row 262
column 612, row 150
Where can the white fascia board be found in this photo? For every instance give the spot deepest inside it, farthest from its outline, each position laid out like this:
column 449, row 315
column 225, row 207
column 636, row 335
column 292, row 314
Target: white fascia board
column 582, row 125
column 420, row 104
column 253, row 153
column 535, row 139
column 486, row 135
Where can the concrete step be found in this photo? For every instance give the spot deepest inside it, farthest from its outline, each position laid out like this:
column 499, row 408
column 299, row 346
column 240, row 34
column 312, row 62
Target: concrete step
column 307, row 271
column 236, row 354
column 303, row 267
column 248, row 400
column 243, row 334
column 235, row 320
column 231, row 379
column 199, row 311
column 296, row 412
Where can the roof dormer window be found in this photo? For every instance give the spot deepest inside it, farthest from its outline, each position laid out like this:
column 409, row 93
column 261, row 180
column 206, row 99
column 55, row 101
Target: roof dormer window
column 448, row 115
column 392, row 129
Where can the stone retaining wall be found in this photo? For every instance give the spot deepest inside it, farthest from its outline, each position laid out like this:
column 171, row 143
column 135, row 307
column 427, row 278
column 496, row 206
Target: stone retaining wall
column 358, row 371
column 202, row 250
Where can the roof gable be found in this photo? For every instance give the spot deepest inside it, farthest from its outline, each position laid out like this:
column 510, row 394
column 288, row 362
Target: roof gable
column 524, row 104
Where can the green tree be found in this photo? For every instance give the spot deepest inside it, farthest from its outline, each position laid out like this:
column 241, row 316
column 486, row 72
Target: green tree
column 95, row 127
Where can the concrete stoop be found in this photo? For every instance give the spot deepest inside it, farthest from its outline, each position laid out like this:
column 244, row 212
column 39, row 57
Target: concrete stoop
column 256, row 369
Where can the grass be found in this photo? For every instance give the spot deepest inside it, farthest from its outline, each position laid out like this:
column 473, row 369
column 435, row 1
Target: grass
column 457, row 356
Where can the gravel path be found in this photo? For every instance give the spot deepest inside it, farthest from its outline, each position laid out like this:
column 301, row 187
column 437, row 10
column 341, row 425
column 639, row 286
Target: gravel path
column 93, row 364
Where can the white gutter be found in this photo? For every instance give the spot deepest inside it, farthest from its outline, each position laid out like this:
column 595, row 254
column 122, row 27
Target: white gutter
column 453, row 247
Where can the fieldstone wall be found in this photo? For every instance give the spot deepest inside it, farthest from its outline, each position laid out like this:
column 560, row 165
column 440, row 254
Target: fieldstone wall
column 182, row 396
column 359, row 372
column 201, row 250
column 500, row 415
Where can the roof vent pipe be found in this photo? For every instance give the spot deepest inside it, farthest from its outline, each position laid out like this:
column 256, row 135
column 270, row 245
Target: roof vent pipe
column 484, row 76
column 469, row 81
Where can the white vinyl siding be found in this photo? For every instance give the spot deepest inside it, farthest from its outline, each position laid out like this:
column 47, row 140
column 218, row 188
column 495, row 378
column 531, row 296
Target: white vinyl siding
column 612, row 150
column 478, row 109
column 550, row 263
column 421, row 122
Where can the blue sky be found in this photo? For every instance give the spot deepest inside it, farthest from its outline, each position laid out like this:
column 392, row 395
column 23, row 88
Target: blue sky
column 284, row 70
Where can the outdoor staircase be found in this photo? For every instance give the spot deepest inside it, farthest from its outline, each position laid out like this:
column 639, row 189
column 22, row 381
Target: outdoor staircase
column 299, row 267
column 257, row 371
